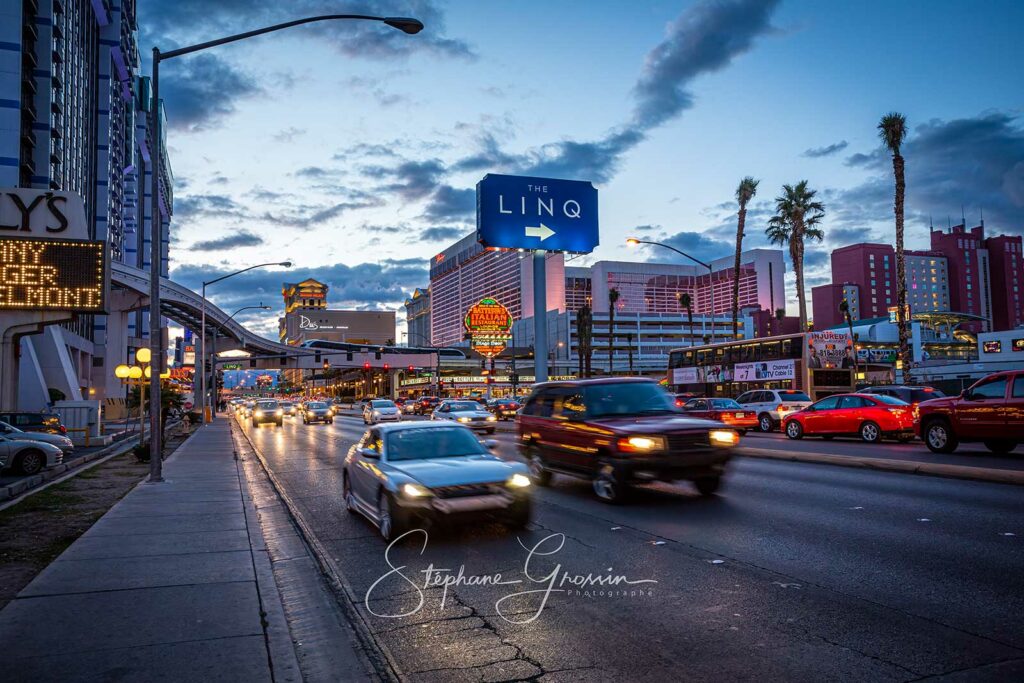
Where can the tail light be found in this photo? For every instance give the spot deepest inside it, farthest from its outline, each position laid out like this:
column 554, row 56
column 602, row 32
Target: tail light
column 63, row 429
column 679, row 403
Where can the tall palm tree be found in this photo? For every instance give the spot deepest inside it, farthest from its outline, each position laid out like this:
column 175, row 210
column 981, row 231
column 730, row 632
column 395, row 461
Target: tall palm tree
column 686, row 303
column 893, row 131
column 844, row 308
column 796, row 219
column 613, row 297
column 780, row 313
column 744, row 193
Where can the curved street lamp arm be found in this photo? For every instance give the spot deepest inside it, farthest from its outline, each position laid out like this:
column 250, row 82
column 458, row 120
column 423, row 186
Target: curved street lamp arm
column 260, row 31
column 681, row 253
column 243, row 270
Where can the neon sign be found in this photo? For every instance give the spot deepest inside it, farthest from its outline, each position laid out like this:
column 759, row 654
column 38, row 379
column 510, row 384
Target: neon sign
column 489, row 325
column 52, row 275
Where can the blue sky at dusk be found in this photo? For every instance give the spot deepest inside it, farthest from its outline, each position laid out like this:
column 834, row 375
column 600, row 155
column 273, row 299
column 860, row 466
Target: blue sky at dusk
column 353, row 149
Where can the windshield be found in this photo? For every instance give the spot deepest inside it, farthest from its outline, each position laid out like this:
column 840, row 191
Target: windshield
column 316, row 406
column 918, row 395
column 420, row 444
column 794, row 396
column 507, row 402
column 726, row 403
column 463, row 406
column 890, row 400
column 267, row 405
column 627, row 398
column 382, row 404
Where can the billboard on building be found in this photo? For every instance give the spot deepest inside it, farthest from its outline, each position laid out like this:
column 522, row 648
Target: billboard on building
column 827, row 348
column 489, row 325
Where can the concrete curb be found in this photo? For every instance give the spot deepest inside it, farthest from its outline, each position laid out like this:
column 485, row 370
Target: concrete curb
column 929, row 469
column 23, row 485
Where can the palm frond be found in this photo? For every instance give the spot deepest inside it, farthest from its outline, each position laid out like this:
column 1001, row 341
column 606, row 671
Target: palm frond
column 893, row 131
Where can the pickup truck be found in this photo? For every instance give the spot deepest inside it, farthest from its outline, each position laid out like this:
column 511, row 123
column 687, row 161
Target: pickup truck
column 990, row 411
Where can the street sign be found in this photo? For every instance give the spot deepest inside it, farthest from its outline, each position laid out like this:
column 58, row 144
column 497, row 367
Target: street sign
column 52, row 275
column 519, row 212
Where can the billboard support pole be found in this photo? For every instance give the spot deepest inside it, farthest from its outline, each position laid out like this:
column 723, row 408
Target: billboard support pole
column 540, row 317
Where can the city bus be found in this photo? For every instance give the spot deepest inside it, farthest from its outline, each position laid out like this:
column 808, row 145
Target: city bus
column 819, row 363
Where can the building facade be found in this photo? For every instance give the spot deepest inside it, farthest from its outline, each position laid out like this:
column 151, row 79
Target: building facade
column 970, row 285
column 825, row 302
column 74, row 117
column 417, row 316
column 1006, row 262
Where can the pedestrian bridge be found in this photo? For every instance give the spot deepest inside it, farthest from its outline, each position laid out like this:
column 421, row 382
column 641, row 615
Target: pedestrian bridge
column 185, row 307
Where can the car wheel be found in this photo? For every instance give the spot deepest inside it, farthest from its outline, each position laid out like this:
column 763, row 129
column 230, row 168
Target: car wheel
column 870, row 432
column 794, row 430
column 346, row 492
column 255, row 424
column 939, row 437
column 707, row 486
column 538, row 472
column 764, row 422
column 607, row 488
column 31, row 462
column 1000, row 446
column 331, row 421
column 280, row 423
column 388, row 520
column 520, row 514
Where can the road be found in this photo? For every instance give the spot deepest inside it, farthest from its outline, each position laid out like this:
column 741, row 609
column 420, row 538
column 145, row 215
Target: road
column 794, row 571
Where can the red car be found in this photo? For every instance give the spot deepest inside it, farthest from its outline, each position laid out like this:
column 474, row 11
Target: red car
column 723, row 410
column 869, row 416
column 991, row 411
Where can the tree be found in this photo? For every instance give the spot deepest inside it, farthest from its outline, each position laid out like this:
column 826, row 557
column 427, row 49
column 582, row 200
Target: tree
column 893, row 131
column 613, row 297
column 686, row 303
column 796, row 219
column 780, row 313
column 844, row 308
column 744, row 193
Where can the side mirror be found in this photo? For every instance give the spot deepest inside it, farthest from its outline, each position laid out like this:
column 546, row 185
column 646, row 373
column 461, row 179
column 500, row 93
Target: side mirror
column 491, row 444
column 369, row 453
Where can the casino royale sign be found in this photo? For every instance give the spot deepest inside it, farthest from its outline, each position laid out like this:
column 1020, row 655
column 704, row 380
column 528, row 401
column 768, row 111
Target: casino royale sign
column 52, row 275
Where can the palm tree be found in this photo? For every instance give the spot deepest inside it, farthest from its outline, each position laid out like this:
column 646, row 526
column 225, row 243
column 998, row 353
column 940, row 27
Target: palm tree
column 796, row 219
column 780, row 313
column 613, row 297
column 893, row 131
column 844, row 308
column 686, row 303
column 744, row 193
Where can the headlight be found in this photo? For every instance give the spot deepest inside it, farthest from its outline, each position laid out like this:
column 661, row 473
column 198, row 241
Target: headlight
column 279, row 412
column 415, row 490
column 518, row 481
column 259, row 413
column 722, row 437
column 491, row 418
column 642, row 444
column 376, row 413
column 463, row 419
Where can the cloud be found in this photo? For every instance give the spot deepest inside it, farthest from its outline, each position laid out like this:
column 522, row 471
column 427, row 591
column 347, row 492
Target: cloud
column 311, row 216
column 201, row 91
column 451, row 204
column 442, row 234
column 828, row 150
column 198, row 206
column 975, row 162
column 412, row 180
column 289, row 134
column 242, row 238
column 695, row 244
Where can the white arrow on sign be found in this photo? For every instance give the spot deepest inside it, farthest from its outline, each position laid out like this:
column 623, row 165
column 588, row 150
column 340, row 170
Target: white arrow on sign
column 543, row 232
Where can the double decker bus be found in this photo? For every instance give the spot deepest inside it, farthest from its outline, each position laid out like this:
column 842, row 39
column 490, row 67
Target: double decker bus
column 819, row 363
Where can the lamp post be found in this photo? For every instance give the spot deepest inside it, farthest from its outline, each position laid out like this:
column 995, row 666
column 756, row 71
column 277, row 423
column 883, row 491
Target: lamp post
column 213, row 354
column 633, row 241
column 138, row 374
column 404, row 24
column 202, row 332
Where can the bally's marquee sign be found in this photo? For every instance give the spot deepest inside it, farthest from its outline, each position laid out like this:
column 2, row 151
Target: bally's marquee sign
column 52, row 275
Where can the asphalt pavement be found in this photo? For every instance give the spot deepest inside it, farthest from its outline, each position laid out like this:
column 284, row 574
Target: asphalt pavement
column 794, row 571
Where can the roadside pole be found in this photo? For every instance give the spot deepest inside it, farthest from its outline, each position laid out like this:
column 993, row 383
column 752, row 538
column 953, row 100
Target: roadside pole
column 540, row 317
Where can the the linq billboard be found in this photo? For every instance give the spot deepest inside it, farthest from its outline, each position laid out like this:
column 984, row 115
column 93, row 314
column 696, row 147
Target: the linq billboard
column 520, row 212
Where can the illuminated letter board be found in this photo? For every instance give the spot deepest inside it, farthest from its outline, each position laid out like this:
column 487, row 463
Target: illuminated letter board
column 488, row 324
column 52, row 275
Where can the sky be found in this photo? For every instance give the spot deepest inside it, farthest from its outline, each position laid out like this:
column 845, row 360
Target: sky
column 353, row 149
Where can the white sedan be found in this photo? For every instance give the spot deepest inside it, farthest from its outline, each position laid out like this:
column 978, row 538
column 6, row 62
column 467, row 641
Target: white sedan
column 381, row 410
column 58, row 440
column 469, row 413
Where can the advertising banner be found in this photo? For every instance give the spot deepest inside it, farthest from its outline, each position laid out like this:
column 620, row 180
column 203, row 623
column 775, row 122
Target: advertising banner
column 765, row 371
column 489, row 325
column 686, row 376
column 828, row 348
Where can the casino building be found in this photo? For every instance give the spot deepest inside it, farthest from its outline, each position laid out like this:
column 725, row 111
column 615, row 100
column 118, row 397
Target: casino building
column 74, row 110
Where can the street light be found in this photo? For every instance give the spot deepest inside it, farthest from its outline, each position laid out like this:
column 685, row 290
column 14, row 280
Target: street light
column 633, row 241
column 404, row 24
column 202, row 333
column 213, row 354
column 133, row 375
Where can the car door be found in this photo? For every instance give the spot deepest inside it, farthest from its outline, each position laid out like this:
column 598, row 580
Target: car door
column 366, row 473
column 851, row 414
column 1015, row 410
column 821, row 417
column 574, row 440
column 981, row 413
column 539, row 427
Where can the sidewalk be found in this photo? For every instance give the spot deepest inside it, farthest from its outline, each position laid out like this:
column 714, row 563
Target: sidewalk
column 168, row 585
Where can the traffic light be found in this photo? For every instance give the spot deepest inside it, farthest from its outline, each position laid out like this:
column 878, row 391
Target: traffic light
column 386, row 367
column 366, row 366
column 411, row 368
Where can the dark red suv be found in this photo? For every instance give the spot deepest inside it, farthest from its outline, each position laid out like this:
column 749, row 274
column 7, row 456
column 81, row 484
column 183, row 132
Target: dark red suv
column 618, row 432
column 991, row 411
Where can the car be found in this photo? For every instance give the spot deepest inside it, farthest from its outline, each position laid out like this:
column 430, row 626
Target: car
column 619, row 432
column 723, row 410
column 317, row 411
column 426, row 405
column 247, row 408
column 381, row 410
column 681, row 399
column 773, row 405
column 469, row 413
column 422, row 472
column 912, row 395
column 28, row 457
column 267, row 411
column 504, row 408
column 62, row 442
column 990, row 411
column 35, row 422
column 409, row 407
column 869, row 416
column 289, row 408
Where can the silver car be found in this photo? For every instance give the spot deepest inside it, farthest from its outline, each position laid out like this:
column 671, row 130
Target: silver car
column 62, row 442
column 381, row 410
column 469, row 413
column 28, row 457
column 419, row 472
column 317, row 411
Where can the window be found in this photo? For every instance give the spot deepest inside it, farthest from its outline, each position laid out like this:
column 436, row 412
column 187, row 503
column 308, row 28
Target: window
column 854, row 402
column 830, row 403
column 1018, row 387
column 541, row 405
column 993, row 389
column 570, row 404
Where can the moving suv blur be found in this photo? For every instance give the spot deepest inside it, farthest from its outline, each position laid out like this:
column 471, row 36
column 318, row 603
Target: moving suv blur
column 773, row 405
column 991, row 411
column 618, row 432
column 911, row 395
